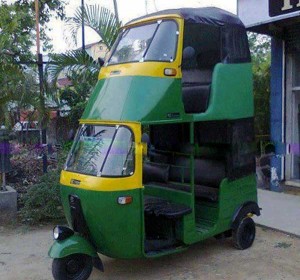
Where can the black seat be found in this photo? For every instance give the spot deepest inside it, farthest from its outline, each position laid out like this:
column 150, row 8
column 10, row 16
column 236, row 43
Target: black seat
column 196, row 82
column 161, row 207
column 208, row 172
column 201, row 192
column 195, row 98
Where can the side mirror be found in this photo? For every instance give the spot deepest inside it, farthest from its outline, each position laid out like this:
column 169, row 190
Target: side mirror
column 100, row 61
column 188, row 53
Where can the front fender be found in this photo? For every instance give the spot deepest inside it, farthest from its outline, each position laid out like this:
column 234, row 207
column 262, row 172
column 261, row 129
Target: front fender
column 74, row 244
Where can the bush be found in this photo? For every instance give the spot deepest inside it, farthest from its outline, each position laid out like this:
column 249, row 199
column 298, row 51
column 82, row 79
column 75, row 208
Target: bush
column 42, row 201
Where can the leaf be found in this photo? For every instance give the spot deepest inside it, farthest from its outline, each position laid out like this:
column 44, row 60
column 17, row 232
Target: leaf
column 98, row 18
column 72, row 61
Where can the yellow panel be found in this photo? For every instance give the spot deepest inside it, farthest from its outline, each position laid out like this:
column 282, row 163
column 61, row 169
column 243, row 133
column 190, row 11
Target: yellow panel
column 95, row 183
column 153, row 18
column 148, row 68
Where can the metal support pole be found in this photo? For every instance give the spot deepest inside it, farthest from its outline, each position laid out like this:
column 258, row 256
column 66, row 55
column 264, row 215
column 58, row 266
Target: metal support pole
column 82, row 25
column 43, row 132
column 192, row 162
column 4, row 182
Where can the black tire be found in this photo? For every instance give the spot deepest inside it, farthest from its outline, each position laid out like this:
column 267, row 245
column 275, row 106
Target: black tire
column 75, row 267
column 244, row 234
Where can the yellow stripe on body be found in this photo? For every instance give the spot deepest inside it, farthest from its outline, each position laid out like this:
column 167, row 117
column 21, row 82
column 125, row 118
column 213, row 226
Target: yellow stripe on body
column 149, row 19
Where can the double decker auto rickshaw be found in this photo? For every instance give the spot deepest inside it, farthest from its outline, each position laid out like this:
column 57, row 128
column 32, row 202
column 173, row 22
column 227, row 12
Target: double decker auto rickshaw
column 163, row 157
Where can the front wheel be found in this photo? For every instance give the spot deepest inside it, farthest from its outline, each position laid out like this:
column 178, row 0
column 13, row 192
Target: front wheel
column 76, row 267
column 244, row 234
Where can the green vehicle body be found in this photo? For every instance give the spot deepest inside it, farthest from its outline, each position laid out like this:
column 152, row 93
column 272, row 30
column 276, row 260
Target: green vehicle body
column 73, row 245
column 124, row 237
column 118, row 231
column 164, row 98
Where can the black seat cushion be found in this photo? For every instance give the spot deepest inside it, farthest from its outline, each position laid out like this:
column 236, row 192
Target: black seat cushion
column 195, row 98
column 155, row 172
column 196, row 77
column 161, row 207
column 201, row 192
column 208, row 172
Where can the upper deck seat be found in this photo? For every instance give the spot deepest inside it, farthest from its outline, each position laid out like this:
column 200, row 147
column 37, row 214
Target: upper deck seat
column 196, row 83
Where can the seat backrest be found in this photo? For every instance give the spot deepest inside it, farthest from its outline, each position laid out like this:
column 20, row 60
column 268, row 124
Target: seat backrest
column 208, row 172
column 196, row 76
column 195, row 98
column 207, row 60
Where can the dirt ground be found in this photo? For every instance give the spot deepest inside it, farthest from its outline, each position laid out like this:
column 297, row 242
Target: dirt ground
column 274, row 255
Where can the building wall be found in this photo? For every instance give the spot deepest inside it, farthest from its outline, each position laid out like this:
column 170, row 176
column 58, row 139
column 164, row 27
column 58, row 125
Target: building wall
column 97, row 50
column 257, row 12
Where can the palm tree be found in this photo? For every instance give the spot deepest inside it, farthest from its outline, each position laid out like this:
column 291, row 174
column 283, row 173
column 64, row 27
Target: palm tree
column 116, row 10
column 103, row 22
column 75, row 61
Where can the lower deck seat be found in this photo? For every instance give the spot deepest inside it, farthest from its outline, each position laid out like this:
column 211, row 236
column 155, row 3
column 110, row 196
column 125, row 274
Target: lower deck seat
column 208, row 176
column 201, row 192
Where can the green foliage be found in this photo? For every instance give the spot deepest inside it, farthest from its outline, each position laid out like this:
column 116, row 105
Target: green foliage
column 260, row 47
column 15, row 40
column 16, row 37
column 262, row 97
column 47, row 8
column 76, row 96
column 78, row 65
column 104, row 23
column 17, row 25
column 76, row 61
column 100, row 19
column 42, row 201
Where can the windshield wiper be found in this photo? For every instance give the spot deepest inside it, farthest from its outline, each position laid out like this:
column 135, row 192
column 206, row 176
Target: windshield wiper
column 158, row 24
column 108, row 150
column 126, row 160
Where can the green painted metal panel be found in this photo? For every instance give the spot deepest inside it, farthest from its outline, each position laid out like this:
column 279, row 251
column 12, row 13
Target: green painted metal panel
column 235, row 193
column 231, row 93
column 74, row 244
column 232, row 195
column 159, row 100
column 116, row 230
column 136, row 98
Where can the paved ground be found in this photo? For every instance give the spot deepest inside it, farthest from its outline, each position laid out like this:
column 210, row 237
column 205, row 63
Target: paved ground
column 274, row 256
column 280, row 211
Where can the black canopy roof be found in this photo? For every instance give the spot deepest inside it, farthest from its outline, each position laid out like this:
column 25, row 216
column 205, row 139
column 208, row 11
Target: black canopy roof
column 208, row 15
column 235, row 47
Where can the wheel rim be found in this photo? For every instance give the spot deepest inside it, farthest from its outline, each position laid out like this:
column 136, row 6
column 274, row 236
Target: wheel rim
column 74, row 268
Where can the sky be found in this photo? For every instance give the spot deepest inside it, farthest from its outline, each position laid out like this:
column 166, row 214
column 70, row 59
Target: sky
column 128, row 9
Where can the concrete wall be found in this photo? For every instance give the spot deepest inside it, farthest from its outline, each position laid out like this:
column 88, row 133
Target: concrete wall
column 8, row 206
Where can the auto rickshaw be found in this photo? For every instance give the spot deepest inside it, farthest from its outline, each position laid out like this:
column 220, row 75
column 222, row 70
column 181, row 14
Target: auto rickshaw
column 164, row 154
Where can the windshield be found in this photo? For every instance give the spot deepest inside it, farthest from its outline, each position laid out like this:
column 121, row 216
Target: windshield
column 151, row 42
column 106, row 151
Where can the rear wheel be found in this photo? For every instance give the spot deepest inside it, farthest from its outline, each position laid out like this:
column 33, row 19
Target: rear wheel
column 76, row 267
column 244, row 234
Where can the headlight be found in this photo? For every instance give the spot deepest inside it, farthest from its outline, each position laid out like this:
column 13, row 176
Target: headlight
column 56, row 232
column 62, row 232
